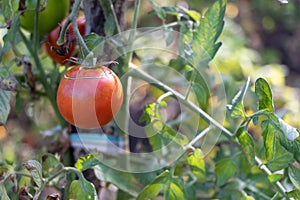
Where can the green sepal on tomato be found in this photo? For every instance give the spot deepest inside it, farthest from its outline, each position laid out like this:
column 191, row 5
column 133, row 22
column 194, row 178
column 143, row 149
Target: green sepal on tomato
column 89, row 98
column 49, row 17
column 50, row 43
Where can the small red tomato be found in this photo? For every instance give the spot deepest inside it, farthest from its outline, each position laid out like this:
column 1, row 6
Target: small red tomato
column 89, row 97
column 60, row 55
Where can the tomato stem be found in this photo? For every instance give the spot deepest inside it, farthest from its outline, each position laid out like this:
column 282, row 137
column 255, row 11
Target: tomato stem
column 48, row 89
column 133, row 29
column 36, row 27
column 108, row 9
column 72, row 18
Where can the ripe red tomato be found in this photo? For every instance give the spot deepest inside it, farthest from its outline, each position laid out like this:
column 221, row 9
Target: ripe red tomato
column 53, row 36
column 89, row 98
column 54, row 12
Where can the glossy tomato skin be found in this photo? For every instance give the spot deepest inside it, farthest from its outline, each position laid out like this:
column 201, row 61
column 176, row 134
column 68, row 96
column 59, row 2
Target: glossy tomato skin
column 53, row 36
column 89, row 98
column 54, row 12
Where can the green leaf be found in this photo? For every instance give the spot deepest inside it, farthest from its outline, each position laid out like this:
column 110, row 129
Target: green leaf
column 197, row 164
column 174, row 189
column 4, row 105
column 290, row 132
column 9, row 9
column 166, row 10
column 3, row 193
column 173, row 135
column 204, row 40
column 109, row 26
column 190, row 192
column 50, row 164
column 236, row 108
column 158, row 10
column 123, row 180
column 294, row 176
column 155, row 140
column 225, row 169
column 35, row 169
column 281, row 159
column 201, row 94
column 247, row 144
column 85, row 162
column 82, row 190
column 157, row 131
column 194, row 15
column 294, row 194
column 269, row 139
column 93, row 41
column 153, row 189
column 274, row 177
column 264, row 94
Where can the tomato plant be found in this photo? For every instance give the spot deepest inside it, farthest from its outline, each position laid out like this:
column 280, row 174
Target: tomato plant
column 89, row 97
column 175, row 139
column 68, row 49
column 49, row 17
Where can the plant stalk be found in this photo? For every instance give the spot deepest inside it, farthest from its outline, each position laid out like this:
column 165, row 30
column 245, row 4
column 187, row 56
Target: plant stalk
column 72, row 18
column 49, row 91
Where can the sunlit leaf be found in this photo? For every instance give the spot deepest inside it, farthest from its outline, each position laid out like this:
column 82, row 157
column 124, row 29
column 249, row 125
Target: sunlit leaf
column 194, row 15
column 82, row 190
column 204, row 40
column 247, row 144
column 85, row 162
column 153, row 189
column 35, row 169
column 225, row 169
column 294, row 175
column 236, row 108
column 264, row 94
column 174, row 189
column 274, row 177
column 269, row 139
column 197, row 164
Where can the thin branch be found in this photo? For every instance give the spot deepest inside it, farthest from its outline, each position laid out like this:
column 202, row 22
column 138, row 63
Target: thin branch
column 197, row 138
column 264, row 168
column 133, row 28
column 138, row 73
column 15, row 173
column 36, row 26
column 165, row 95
